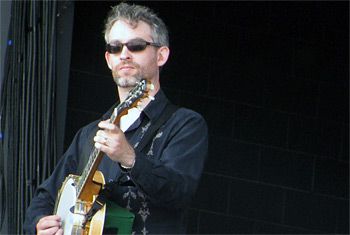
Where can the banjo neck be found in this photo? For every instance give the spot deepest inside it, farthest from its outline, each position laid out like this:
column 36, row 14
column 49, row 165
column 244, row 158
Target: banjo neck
column 78, row 193
column 87, row 182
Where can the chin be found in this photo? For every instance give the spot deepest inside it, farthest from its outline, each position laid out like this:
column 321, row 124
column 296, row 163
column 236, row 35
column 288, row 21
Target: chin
column 127, row 82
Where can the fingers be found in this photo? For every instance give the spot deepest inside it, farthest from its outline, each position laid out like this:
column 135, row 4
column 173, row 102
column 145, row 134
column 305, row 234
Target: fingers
column 107, row 126
column 59, row 232
column 49, row 225
column 49, row 231
column 109, row 131
column 100, row 139
column 112, row 141
column 106, row 139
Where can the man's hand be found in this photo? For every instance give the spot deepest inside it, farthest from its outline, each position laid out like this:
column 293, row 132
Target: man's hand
column 49, row 225
column 112, row 141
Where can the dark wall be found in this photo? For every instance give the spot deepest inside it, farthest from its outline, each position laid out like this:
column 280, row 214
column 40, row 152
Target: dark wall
column 271, row 79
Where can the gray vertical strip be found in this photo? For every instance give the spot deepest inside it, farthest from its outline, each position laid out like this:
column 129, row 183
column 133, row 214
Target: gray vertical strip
column 28, row 146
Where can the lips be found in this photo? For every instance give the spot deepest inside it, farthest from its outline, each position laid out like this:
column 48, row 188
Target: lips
column 126, row 67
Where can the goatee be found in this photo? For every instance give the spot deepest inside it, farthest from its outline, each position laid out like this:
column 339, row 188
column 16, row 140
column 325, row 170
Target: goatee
column 127, row 80
column 130, row 81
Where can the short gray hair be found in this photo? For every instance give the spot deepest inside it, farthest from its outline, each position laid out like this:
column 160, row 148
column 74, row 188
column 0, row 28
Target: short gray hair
column 133, row 14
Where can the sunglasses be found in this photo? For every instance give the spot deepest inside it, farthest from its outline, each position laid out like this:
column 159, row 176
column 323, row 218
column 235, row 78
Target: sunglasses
column 135, row 45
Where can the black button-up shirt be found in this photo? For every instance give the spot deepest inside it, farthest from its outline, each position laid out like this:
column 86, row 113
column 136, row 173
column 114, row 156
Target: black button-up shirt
column 166, row 175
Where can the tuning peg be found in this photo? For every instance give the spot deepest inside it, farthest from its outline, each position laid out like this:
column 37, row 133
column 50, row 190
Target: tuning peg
column 115, row 112
column 139, row 107
column 150, row 97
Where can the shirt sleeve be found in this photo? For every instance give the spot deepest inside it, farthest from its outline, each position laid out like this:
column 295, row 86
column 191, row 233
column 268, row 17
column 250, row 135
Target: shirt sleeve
column 171, row 179
column 43, row 202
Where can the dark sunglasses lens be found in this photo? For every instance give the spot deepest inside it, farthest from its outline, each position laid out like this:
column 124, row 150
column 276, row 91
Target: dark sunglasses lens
column 136, row 46
column 114, row 49
column 132, row 46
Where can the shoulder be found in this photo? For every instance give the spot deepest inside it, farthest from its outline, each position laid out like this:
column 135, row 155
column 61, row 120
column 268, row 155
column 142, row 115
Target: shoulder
column 92, row 126
column 85, row 131
column 187, row 118
column 189, row 114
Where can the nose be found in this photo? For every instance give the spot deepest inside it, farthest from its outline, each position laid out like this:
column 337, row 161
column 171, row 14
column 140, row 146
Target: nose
column 125, row 54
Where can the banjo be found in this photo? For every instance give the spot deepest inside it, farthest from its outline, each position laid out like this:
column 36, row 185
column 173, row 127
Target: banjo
column 78, row 193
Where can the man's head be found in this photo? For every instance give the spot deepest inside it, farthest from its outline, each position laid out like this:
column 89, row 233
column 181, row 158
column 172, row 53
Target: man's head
column 137, row 44
column 133, row 14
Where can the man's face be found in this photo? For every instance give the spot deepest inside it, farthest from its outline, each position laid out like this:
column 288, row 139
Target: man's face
column 128, row 68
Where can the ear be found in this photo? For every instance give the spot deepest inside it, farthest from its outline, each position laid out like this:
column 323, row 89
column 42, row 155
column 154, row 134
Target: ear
column 163, row 55
column 107, row 55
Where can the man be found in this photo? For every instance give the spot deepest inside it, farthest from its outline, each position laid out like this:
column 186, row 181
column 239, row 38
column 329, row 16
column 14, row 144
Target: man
column 165, row 176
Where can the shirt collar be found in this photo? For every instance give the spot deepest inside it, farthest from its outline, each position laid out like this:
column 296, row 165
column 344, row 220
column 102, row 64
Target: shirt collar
column 156, row 106
column 152, row 110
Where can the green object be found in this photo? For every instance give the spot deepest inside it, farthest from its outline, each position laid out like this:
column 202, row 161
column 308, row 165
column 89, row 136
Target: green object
column 118, row 220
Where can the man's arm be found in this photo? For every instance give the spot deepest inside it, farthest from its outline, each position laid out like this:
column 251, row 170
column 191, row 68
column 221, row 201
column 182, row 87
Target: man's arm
column 40, row 206
column 43, row 203
column 172, row 179
column 49, row 225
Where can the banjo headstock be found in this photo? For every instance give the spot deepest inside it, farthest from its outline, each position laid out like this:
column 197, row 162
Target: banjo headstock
column 135, row 95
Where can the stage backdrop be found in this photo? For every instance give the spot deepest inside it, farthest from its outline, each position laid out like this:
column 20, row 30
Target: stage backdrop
column 271, row 80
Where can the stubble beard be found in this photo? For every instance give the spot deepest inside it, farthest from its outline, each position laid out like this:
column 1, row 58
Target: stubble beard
column 127, row 80
column 132, row 80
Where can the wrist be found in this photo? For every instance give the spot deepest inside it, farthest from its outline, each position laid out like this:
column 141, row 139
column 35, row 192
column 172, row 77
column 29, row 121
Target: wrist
column 127, row 167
